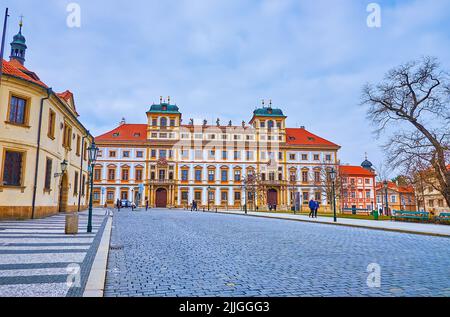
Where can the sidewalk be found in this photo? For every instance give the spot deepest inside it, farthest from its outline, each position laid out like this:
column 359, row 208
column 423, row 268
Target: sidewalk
column 406, row 227
column 36, row 257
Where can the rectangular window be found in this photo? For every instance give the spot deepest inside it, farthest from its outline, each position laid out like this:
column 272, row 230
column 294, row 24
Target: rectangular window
column 249, row 156
column 97, row 174
column 305, row 198
column 237, row 196
column 317, row 177
column 126, row 154
column 292, row 157
column 110, row 196
column 67, row 136
column 139, row 154
column 48, row 174
column 224, row 155
column 224, row 176
column 316, row 157
column 125, row 174
column 13, row 168
column 153, row 154
column 139, row 175
column 211, row 175
column 184, row 175
column 78, row 145
column 75, row 184
column 184, row 196
column 162, row 154
column 112, row 154
column 198, row 175
column 17, row 110
column 111, row 174
column 224, row 196
column 237, row 155
column 51, row 124
column 328, row 157
column 304, row 157
column 198, row 196
column 237, row 176
column 318, row 196
column 305, row 178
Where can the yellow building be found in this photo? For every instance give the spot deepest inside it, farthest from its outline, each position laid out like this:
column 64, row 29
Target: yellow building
column 40, row 135
column 172, row 164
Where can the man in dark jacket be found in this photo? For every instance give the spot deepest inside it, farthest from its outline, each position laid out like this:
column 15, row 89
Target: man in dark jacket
column 312, row 207
column 316, row 210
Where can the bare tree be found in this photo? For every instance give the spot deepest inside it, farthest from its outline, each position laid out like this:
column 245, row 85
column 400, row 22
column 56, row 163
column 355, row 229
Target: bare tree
column 415, row 98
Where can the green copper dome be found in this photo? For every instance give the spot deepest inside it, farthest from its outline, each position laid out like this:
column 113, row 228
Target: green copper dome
column 164, row 108
column 18, row 46
column 268, row 112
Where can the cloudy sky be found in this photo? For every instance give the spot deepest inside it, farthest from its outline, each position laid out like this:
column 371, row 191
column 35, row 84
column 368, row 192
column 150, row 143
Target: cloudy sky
column 219, row 58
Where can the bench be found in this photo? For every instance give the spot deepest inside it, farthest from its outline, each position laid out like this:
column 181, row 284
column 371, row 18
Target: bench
column 413, row 215
column 357, row 211
column 444, row 216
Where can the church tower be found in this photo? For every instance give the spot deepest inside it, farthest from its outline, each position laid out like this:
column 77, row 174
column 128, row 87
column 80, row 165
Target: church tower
column 18, row 46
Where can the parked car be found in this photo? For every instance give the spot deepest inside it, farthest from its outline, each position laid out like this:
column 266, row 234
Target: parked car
column 124, row 203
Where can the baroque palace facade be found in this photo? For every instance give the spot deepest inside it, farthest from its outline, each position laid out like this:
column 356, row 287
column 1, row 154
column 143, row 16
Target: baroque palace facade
column 40, row 135
column 171, row 164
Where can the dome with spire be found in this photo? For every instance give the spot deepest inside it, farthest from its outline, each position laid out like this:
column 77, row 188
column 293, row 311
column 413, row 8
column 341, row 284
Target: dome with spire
column 18, row 46
column 367, row 165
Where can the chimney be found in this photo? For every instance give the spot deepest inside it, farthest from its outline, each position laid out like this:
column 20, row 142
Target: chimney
column 122, row 122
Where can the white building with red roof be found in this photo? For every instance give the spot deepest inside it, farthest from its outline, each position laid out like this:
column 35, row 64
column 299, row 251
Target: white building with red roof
column 40, row 133
column 171, row 164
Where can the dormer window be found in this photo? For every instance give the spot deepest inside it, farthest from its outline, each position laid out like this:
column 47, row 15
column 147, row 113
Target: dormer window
column 116, row 135
column 164, row 108
column 137, row 135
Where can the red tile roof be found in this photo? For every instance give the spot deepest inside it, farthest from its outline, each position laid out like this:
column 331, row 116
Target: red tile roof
column 354, row 170
column 15, row 69
column 125, row 132
column 305, row 138
column 67, row 95
column 393, row 186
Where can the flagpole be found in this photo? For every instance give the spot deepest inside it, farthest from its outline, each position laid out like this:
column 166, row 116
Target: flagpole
column 2, row 48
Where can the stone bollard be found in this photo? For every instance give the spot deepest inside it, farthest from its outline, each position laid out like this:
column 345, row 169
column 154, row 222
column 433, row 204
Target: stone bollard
column 72, row 224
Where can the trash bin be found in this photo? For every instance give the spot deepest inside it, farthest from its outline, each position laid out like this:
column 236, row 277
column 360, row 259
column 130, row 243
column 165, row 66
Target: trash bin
column 72, row 223
column 375, row 214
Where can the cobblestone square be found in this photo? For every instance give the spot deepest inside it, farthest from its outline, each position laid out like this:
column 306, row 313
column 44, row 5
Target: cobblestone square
column 176, row 253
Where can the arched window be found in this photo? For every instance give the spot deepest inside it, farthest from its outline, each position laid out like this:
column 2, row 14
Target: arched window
column 270, row 124
column 163, row 122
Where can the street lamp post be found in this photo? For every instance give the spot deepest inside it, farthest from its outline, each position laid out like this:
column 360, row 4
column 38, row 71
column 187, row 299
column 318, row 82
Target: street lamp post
column 93, row 152
column 333, row 179
column 385, row 183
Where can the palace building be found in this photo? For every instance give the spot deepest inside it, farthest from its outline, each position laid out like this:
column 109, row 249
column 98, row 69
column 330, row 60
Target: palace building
column 43, row 144
column 171, row 163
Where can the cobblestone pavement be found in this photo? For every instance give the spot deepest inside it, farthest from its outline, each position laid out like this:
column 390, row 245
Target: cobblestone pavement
column 36, row 257
column 175, row 253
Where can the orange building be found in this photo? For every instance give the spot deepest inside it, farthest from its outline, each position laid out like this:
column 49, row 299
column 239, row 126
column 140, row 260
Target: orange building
column 357, row 186
column 399, row 197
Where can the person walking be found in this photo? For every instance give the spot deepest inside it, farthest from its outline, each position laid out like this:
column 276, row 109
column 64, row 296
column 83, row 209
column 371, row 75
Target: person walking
column 146, row 204
column 316, row 210
column 312, row 207
column 118, row 204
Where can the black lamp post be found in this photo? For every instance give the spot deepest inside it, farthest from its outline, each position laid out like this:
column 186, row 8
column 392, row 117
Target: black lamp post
column 333, row 179
column 385, row 183
column 93, row 152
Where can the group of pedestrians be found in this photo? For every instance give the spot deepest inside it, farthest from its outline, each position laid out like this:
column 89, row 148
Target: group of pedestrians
column 314, row 206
